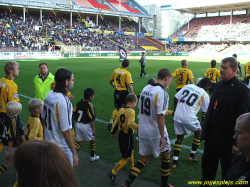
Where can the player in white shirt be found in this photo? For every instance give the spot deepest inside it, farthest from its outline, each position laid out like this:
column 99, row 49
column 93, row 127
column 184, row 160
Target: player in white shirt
column 57, row 113
column 153, row 135
column 187, row 103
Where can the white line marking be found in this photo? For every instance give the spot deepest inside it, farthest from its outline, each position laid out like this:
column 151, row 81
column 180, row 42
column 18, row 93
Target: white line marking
column 172, row 141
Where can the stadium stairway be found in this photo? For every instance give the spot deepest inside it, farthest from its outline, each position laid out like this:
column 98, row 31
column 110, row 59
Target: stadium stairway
column 59, row 43
column 199, row 24
column 112, row 40
column 142, row 42
column 156, row 42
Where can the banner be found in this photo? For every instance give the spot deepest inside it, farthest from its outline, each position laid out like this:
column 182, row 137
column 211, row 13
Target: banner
column 123, row 53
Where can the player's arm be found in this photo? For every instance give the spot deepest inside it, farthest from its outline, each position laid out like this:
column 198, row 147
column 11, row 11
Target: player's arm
column 69, row 140
column 114, row 127
column 9, row 152
column 161, row 124
column 192, row 81
column 111, row 83
column 132, row 124
column 130, row 87
column 175, row 103
column 171, row 80
column 34, row 128
column 93, row 127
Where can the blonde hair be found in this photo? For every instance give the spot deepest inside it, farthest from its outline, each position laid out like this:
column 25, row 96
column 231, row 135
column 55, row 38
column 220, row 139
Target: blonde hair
column 13, row 108
column 33, row 104
column 198, row 80
column 10, row 65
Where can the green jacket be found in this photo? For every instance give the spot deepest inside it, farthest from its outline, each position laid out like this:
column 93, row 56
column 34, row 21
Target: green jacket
column 42, row 87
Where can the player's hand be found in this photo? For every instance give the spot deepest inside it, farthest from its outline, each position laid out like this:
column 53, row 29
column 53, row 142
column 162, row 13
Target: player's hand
column 71, row 97
column 112, row 136
column 162, row 143
column 75, row 160
column 235, row 150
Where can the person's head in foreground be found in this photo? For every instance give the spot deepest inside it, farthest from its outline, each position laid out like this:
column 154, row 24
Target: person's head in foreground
column 42, row 163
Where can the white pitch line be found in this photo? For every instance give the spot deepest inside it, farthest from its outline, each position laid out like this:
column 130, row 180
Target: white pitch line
column 106, row 122
column 185, row 146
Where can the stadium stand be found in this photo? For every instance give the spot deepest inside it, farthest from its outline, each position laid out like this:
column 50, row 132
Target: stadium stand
column 124, row 6
column 91, row 4
column 215, row 27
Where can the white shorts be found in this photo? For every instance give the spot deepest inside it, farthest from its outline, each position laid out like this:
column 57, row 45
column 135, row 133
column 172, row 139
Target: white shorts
column 180, row 128
column 84, row 132
column 13, row 150
column 152, row 146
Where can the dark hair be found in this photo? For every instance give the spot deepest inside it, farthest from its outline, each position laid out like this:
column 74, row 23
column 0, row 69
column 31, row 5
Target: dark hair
column 204, row 82
column 163, row 73
column 43, row 64
column 232, row 62
column 88, row 92
column 125, row 63
column 42, row 163
column 213, row 63
column 151, row 80
column 184, row 62
column 61, row 76
column 131, row 97
column 235, row 55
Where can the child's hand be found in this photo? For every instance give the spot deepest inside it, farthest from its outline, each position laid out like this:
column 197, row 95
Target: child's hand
column 112, row 136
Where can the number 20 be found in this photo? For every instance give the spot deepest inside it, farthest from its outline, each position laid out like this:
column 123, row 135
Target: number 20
column 189, row 99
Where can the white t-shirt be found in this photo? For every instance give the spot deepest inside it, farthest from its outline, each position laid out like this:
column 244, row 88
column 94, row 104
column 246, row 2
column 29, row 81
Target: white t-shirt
column 191, row 99
column 153, row 101
column 57, row 112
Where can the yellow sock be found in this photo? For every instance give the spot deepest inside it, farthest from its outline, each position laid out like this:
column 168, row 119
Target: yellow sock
column 15, row 185
column 132, row 161
column 2, row 169
column 1, row 147
column 119, row 166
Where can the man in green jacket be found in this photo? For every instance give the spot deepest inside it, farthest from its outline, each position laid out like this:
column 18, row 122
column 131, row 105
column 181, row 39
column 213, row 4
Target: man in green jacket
column 43, row 81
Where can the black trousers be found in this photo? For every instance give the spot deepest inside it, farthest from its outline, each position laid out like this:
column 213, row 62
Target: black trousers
column 142, row 70
column 210, row 160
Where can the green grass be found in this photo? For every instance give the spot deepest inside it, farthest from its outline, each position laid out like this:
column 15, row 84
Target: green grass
column 95, row 73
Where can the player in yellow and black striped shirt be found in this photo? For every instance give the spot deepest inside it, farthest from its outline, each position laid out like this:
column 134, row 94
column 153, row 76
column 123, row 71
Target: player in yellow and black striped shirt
column 121, row 81
column 212, row 73
column 126, row 125
column 183, row 75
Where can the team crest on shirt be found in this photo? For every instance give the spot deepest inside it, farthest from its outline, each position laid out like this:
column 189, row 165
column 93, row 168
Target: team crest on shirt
column 15, row 95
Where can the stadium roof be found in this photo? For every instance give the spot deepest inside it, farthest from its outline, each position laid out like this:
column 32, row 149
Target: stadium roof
column 214, row 8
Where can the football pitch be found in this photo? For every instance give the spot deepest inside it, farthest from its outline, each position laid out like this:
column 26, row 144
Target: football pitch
column 95, row 73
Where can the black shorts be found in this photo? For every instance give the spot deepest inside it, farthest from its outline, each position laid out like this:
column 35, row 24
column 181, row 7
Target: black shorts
column 120, row 98
column 2, row 116
column 126, row 144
